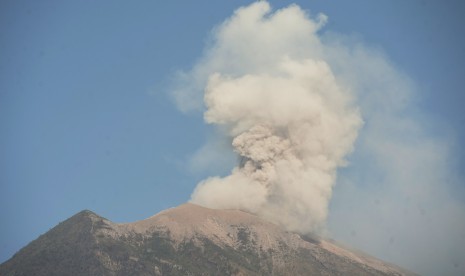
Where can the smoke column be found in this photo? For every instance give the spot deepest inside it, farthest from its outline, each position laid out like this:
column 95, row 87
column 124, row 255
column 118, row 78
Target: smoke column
column 291, row 130
column 290, row 122
column 289, row 100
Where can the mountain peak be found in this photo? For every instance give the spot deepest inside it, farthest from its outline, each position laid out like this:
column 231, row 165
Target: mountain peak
column 86, row 212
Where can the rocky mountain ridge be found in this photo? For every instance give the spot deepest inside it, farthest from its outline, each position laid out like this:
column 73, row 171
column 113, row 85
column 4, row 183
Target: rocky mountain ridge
column 186, row 240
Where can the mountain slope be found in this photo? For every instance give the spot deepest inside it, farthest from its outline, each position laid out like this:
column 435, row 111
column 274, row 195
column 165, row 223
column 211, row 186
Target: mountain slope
column 187, row 240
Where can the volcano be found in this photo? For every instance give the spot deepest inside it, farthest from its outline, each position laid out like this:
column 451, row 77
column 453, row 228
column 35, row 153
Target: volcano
column 186, row 240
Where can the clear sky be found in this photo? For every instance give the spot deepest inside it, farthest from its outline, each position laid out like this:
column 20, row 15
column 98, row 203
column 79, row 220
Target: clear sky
column 86, row 116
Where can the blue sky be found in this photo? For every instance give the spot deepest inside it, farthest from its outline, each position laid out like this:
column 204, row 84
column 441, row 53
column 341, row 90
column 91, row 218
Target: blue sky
column 87, row 121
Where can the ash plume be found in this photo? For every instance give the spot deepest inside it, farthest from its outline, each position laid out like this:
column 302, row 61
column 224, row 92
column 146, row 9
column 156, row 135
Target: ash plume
column 291, row 123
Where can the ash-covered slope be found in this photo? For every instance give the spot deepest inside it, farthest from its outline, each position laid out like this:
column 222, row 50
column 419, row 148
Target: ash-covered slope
column 187, row 240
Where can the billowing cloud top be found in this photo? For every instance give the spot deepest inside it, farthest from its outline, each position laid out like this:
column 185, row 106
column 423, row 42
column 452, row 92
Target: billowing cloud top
column 252, row 41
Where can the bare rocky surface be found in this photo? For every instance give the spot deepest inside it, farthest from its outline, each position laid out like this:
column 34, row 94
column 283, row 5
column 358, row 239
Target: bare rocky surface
column 186, row 240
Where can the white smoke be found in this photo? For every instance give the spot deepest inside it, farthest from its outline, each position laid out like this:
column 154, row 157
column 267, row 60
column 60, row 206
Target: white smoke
column 290, row 101
column 290, row 121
